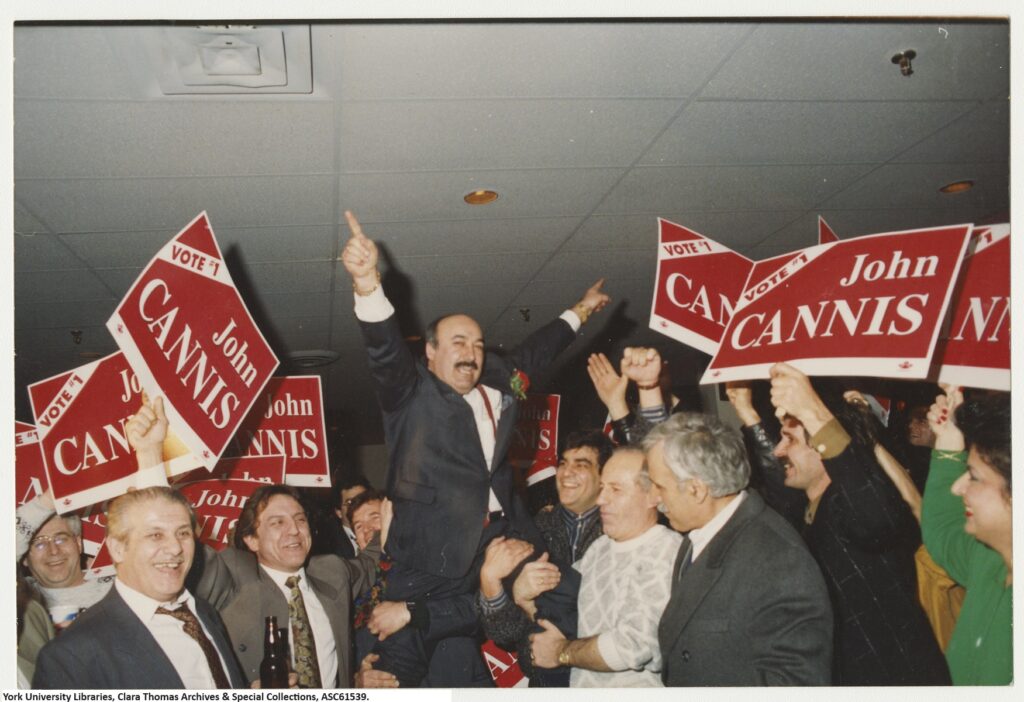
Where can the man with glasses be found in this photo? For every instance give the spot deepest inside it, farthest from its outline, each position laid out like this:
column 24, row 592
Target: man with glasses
column 50, row 546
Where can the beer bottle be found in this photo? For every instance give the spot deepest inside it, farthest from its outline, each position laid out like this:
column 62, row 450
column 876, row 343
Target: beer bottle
column 274, row 666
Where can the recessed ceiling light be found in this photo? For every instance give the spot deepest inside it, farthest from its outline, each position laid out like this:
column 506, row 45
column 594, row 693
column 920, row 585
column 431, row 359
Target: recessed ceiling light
column 481, row 197
column 312, row 358
column 960, row 186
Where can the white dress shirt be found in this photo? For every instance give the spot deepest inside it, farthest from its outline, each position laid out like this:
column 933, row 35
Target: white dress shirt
column 185, row 653
column 702, row 537
column 376, row 307
column 323, row 635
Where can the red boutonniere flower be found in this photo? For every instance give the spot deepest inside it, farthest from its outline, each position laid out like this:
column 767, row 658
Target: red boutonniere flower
column 520, row 383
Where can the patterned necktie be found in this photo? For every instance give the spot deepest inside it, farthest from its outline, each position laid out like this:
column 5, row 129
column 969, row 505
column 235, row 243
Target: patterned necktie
column 194, row 629
column 303, row 644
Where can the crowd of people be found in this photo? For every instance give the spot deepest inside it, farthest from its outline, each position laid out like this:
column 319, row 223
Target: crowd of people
column 798, row 550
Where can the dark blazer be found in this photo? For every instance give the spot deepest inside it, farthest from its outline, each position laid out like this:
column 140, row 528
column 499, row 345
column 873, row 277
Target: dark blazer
column 244, row 595
column 108, row 647
column 437, row 475
column 751, row 610
column 863, row 537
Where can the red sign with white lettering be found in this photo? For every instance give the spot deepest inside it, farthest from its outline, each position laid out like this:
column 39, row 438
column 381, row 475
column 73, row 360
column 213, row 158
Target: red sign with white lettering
column 288, row 420
column 218, row 504
column 974, row 349
column 504, row 666
column 865, row 306
column 29, row 470
column 534, row 445
column 696, row 287
column 80, row 418
column 189, row 337
column 263, row 469
column 825, row 233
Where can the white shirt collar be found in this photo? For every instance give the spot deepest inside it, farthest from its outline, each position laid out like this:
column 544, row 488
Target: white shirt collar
column 144, row 606
column 702, row 537
column 279, row 577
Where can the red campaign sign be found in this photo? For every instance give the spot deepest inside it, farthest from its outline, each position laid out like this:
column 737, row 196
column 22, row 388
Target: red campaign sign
column 29, row 469
column 80, row 418
column 696, row 286
column 534, row 445
column 189, row 337
column 825, row 233
column 974, row 347
column 217, row 500
column 288, row 419
column 102, row 565
column 218, row 504
column 94, row 527
column 866, row 306
column 504, row 666
column 263, row 469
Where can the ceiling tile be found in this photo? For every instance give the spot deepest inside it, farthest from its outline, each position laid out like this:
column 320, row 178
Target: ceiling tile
column 917, row 186
column 482, row 236
column 594, row 265
column 113, row 204
column 530, row 193
column 25, row 222
column 34, row 252
column 532, row 60
column 669, row 189
column 499, row 270
column 68, row 285
column 68, row 313
column 852, row 61
column 493, row 134
column 218, row 138
column 72, row 61
column 982, row 135
column 293, row 277
column 305, row 304
column 798, row 132
column 733, row 229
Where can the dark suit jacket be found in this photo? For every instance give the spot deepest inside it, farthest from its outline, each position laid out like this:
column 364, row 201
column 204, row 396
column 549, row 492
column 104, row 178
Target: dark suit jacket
column 244, row 595
column 751, row 610
column 863, row 537
column 108, row 647
column 437, row 475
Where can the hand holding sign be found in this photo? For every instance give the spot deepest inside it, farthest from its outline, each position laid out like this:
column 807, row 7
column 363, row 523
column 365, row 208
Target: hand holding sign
column 793, row 394
column 146, row 431
column 941, row 419
column 360, row 257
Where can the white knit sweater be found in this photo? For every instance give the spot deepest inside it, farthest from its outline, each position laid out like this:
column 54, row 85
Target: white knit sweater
column 624, row 590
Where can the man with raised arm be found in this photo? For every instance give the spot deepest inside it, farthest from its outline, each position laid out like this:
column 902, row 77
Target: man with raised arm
column 448, row 425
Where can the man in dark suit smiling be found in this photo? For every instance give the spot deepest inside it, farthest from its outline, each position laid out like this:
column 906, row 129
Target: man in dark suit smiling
column 149, row 632
column 448, row 426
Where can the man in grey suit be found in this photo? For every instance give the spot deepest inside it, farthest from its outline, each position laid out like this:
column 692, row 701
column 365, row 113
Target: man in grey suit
column 267, row 574
column 148, row 632
column 749, row 605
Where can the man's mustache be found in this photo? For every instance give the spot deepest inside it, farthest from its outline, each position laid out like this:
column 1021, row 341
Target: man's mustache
column 467, row 364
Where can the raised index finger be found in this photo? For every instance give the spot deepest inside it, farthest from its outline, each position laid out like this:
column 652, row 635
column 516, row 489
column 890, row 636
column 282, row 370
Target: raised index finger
column 354, row 226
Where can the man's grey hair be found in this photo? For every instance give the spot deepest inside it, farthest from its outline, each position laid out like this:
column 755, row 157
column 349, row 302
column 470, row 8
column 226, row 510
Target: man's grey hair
column 700, row 446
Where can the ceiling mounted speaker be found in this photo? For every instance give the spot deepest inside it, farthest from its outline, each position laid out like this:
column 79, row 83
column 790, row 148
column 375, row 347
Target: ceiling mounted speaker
column 232, row 58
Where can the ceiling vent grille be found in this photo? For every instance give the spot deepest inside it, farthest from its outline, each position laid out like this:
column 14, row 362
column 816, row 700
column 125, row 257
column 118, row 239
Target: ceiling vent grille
column 234, row 58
